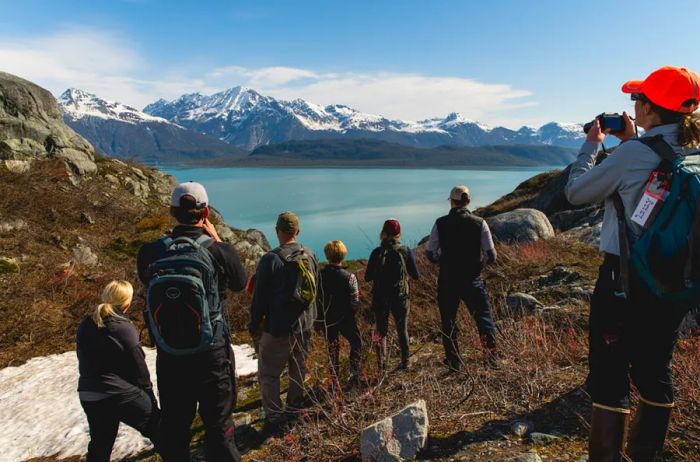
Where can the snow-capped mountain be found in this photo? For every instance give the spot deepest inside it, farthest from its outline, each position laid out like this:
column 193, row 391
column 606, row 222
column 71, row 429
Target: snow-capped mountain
column 78, row 104
column 123, row 131
column 245, row 118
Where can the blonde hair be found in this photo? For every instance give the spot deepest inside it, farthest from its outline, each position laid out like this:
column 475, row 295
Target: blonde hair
column 335, row 251
column 383, row 236
column 116, row 294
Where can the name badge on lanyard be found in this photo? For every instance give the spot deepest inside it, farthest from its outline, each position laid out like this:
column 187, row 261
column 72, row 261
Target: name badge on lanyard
column 655, row 192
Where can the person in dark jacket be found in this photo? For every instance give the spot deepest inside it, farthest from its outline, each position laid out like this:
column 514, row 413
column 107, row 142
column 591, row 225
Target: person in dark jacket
column 389, row 267
column 461, row 242
column 340, row 301
column 282, row 331
column 114, row 384
column 202, row 382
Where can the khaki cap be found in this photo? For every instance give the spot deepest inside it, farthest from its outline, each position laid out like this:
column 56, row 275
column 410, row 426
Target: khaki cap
column 288, row 223
column 458, row 192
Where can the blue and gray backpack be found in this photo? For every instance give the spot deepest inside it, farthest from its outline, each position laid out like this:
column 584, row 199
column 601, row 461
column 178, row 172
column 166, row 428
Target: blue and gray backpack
column 183, row 309
column 667, row 254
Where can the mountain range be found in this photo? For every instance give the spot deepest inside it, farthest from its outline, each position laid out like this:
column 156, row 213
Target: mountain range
column 230, row 124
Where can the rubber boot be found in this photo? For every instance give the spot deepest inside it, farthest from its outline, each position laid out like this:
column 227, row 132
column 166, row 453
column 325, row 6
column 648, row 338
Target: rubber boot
column 648, row 432
column 608, row 434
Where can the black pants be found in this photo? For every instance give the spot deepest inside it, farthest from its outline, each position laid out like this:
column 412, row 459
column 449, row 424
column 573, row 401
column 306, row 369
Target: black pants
column 205, row 378
column 135, row 410
column 475, row 297
column 399, row 309
column 347, row 327
column 630, row 338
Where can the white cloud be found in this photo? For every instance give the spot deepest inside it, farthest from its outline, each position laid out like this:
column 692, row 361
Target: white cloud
column 111, row 67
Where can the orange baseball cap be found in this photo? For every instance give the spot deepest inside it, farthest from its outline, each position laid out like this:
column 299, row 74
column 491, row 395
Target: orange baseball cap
column 673, row 88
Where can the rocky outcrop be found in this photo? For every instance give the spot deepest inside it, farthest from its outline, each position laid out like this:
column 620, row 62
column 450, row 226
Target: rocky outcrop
column 520, row 225
column 398, row 437
column 31, row 127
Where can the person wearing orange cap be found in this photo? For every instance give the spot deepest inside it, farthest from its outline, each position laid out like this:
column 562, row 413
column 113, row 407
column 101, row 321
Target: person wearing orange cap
column 632, row 332
column 389, row 267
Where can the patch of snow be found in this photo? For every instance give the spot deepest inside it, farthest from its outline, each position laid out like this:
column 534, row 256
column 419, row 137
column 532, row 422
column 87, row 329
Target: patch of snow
column 41, row 416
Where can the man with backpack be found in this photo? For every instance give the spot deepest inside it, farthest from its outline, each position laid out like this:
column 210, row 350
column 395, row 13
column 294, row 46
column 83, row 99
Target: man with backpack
column 461, row 242
column 186, row 274
column 649, row 278
column 389, row 267
column 282, row 315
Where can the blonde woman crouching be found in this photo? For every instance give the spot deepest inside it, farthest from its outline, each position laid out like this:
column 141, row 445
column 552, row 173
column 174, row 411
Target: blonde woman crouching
column 114, row 384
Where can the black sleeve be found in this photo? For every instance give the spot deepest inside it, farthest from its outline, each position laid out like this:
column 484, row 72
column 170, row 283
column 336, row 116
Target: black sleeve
column 230, row 261
column 261, row 293
column 370, row 271
column 148, row 253
column 128, row 338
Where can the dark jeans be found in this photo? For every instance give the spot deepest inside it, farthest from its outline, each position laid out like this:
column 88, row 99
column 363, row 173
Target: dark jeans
column 205, row 378
column 630, row 338
column 399, row 309
column 346, row 327
column 474, row 295
column 136, row 410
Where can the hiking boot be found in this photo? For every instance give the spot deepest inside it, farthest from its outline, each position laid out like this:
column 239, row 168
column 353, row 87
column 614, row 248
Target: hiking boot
column 493, row 359
column 403, row 365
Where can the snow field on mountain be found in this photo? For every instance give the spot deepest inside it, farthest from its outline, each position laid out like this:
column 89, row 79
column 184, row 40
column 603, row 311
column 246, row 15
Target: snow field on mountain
column 41, row 416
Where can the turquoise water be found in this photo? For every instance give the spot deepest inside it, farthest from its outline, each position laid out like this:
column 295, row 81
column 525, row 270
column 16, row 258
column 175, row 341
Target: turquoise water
column 346, row 204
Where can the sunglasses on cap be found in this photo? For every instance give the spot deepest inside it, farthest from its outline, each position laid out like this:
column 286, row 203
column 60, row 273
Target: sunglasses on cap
column 639, row 97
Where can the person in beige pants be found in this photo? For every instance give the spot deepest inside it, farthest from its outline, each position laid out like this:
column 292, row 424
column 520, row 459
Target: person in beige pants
column 283, row 331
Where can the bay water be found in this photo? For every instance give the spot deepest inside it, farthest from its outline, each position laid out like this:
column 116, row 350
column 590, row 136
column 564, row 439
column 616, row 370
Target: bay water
column 347, row 204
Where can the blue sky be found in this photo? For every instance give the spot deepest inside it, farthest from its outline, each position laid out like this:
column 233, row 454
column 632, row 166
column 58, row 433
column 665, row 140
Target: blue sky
column 499, row 62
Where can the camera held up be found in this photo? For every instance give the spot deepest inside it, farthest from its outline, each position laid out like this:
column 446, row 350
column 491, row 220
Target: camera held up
column 613, row 121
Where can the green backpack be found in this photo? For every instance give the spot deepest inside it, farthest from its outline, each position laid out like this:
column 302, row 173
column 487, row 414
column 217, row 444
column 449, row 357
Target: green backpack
column 667, row 253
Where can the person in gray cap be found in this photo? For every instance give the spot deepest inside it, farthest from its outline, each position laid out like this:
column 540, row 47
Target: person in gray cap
column 186, row 274
column 461, row 243
column 282, row 324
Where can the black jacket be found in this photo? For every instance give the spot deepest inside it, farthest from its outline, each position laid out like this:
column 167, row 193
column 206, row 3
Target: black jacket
column 374, row 266
column 339, row 295
column 110, row 359
column 460, row 245
column 269, row 306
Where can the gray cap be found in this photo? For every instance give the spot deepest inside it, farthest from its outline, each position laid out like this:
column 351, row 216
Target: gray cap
column 193, row 189
column 458, row 192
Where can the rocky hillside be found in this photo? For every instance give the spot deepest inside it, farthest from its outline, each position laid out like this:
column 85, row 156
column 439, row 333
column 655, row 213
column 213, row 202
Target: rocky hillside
column 70, row 220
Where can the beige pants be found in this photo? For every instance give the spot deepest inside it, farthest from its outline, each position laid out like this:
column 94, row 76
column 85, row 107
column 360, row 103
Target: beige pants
column 274, row 354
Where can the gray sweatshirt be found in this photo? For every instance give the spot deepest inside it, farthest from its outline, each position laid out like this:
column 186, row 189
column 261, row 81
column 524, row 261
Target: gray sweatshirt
column 626, row 170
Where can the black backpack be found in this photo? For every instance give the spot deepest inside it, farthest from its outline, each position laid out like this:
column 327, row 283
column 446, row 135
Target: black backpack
column 392, row 275
column 183, row 309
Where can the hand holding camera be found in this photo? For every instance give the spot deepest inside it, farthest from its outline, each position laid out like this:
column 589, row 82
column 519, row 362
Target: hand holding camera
column 615, row 124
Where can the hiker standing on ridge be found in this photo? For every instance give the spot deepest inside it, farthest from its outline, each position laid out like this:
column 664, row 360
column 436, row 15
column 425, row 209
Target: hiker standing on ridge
column 114, row 384
column 282, row 315
column 186, row 275
column 633, row 332
column 389, row 267
column 461, row 242
column 340, row 301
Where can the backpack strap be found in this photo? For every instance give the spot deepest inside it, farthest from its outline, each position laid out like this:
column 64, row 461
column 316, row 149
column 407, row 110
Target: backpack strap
column 662, row 149
column 624, row 244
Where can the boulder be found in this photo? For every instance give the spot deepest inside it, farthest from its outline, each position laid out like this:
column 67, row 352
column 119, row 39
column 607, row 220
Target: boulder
column 138, row 188
column 586, row 233
column 542, row 439
column 31, row 127
column 84, row 256
column 9, row 265
column 527, row 457
column 522, row 302
column 398, row 437
column 520, row 225
column 521, row 428
column 10, row 226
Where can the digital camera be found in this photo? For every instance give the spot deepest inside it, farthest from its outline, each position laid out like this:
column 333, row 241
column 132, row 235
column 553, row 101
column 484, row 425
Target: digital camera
column 615, row 122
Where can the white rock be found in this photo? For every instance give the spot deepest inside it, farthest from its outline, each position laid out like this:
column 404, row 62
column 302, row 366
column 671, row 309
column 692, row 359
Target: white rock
column 398, row 437
column 84, row 256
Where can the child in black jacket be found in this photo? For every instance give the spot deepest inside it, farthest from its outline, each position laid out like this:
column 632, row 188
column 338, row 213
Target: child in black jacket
column 340, row 301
